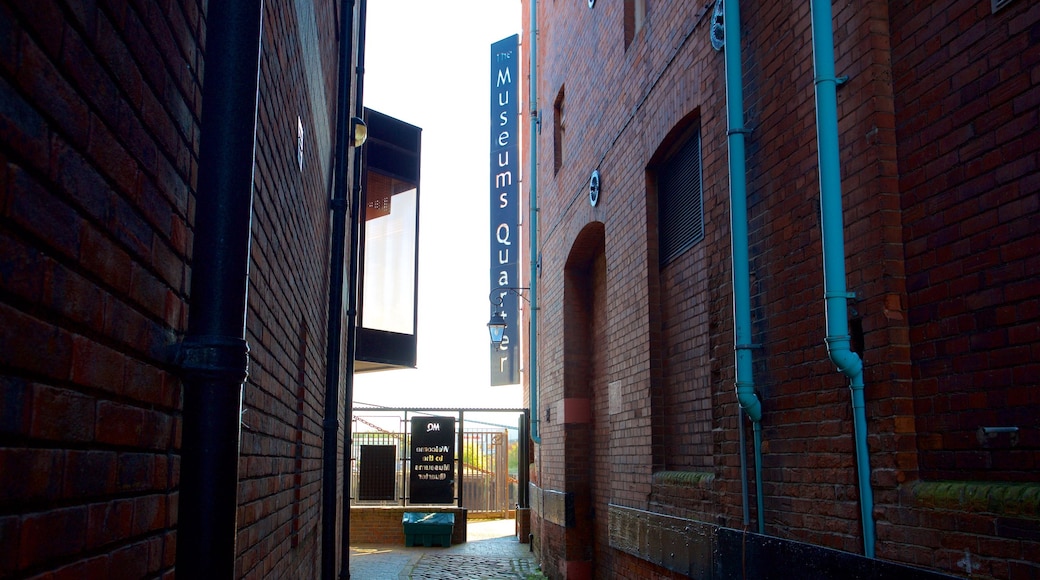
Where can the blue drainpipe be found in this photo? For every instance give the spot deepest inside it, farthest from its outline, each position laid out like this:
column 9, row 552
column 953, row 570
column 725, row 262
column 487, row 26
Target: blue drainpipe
column 835, row 292
column 532, row 370
column 739, row 243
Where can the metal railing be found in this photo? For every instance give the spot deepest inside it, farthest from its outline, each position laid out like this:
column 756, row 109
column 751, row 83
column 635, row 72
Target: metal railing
column 490, row 457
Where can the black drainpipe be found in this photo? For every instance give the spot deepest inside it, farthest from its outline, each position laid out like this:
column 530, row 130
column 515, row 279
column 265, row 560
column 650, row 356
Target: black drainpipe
column 338, row 206
column 213, row 357
column 356, row 224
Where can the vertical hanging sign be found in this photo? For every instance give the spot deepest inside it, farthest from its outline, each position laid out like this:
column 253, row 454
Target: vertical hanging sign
column 505, row 206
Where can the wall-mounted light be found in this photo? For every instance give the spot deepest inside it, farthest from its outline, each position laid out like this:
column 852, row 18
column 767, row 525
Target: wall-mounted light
column 358, row 131
column 497, row 325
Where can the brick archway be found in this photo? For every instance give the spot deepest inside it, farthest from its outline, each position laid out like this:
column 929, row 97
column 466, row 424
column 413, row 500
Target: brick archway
column 587, row 470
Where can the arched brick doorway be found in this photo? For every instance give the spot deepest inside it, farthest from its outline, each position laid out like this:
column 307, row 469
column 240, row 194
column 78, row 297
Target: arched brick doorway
column 586, row 430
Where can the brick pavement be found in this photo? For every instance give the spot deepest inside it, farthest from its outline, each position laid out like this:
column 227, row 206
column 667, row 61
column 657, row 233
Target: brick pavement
column 491, row 552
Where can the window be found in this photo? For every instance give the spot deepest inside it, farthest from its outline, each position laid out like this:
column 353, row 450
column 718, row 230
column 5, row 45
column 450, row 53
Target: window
column 391, row 213
column 558, row 128
column 386, row 332
column 635, row 13
column 680, row 208
column 680, row 298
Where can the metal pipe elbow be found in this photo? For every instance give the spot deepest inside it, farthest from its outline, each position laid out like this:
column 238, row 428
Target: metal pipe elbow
column 749, row 401
column 849, row 363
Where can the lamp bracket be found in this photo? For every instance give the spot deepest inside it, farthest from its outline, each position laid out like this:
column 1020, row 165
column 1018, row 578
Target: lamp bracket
column 497, row 294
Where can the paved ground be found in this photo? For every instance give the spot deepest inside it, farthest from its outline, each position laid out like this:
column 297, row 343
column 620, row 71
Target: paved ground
column 491, row 552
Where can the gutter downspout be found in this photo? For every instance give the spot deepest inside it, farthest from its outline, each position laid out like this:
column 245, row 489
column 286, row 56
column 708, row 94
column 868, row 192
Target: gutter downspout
column 356, row 207
column 213, row 357
column 745, row 382
column 835, row 291
column 532, row 371
column 333, row 350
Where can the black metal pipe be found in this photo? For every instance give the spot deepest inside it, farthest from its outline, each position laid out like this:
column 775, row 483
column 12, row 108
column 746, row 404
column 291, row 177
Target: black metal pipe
column 213, row 357
column 334, row 344
column 353, row 287
column 461, row 473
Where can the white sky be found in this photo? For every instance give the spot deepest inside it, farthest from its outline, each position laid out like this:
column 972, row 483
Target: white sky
column 428, row 63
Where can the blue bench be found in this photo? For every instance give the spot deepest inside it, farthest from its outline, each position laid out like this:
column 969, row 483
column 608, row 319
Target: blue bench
column 427, row 529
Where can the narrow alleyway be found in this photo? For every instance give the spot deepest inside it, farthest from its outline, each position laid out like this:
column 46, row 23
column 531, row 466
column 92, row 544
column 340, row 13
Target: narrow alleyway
column 491, row 552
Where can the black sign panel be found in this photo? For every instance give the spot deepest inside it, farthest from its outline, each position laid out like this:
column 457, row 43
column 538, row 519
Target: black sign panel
column 433, row 460
column 378, row 477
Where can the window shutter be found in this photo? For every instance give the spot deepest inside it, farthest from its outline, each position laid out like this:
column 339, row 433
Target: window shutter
column 681, row 210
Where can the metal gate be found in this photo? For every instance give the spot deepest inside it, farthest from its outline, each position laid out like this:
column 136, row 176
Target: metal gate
column 486, row 456
column 486, row 480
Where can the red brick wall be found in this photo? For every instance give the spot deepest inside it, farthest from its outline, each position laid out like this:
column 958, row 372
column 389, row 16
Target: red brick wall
column 375, row 525
column 967, row 97
column 631, row 568
column 924, row 163
column 279, row 517
column 99, row 130
column 809, row 472
column 98, row 133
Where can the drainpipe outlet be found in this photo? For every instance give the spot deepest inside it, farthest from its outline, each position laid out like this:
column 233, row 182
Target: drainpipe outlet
column 749, row 401
column 847, row 361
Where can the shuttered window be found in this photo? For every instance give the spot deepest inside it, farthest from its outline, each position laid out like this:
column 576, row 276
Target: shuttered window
column 680, row 206
column 559, row 127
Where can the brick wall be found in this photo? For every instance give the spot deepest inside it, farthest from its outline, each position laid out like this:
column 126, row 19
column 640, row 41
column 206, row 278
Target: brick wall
column 967, row 113
column 377, row 525
column 965, row 108
column 279, row 519
column 99, row 131
column 99, row 127
column 807, row 430
column 939, row 179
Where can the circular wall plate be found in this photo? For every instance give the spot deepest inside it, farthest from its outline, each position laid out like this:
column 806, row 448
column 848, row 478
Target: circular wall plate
column 718, row 34
column 594, row 188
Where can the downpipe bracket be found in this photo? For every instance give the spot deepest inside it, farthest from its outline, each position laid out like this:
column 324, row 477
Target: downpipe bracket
column 214, row 358
column 838, row 81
